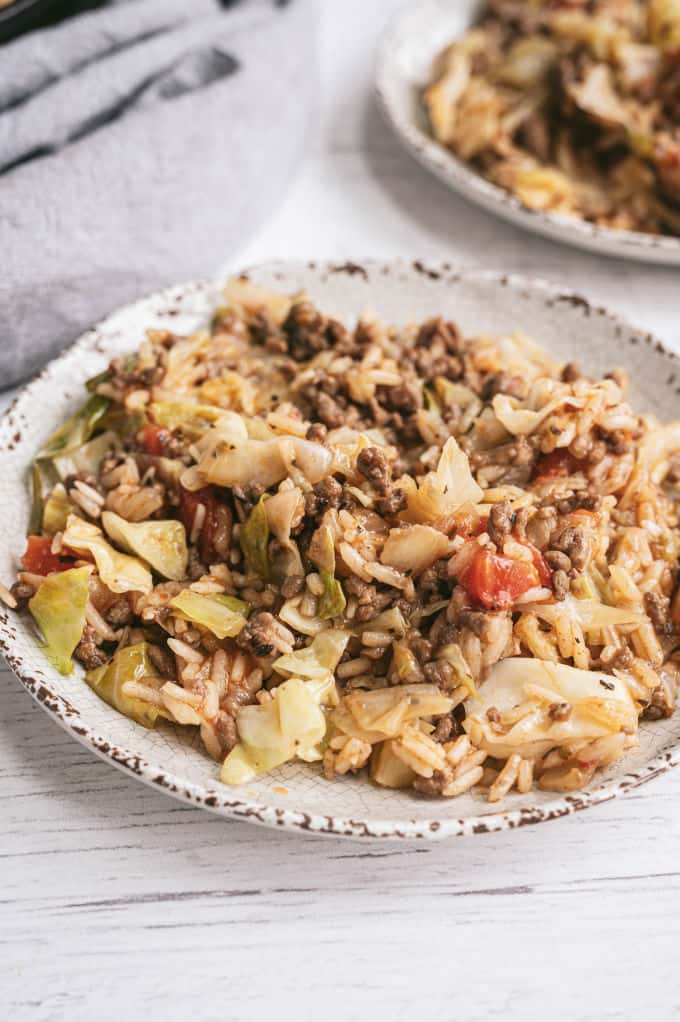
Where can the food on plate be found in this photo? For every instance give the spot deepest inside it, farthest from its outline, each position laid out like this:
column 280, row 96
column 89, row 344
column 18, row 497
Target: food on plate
column 572, row 107
column 446, row 562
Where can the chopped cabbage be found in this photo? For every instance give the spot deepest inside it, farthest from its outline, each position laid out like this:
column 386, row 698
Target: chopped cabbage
column 290, row 725
column 332, row 601
column 59, row 610
column 122, row 574
column 132, row 663
column 224, row 616
column 522, row 421
column 384, row 712
column 230, row 390
column 238, row 460
column 414, row 548
column 388, row 770
column 591, row 614
column 161, row 543
column 192, row 418
column 56, row 510
column 254, row 540
column 87, row 458
column 316, row 661
column 447, row 488
column 600, row 704
column 77, row 430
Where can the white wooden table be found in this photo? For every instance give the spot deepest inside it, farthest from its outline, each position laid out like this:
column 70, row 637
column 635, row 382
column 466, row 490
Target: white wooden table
column 120, row 903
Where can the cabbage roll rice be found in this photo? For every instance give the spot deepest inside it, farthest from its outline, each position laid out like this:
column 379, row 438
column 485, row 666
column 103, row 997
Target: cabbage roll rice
column 573, row 106
column 448, row 562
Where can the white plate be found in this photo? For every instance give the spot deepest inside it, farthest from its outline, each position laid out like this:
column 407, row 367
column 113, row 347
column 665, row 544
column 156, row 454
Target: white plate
column 405, row 58
column 172, row 758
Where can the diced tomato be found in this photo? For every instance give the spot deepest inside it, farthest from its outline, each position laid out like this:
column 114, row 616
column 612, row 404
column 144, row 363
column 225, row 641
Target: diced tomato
column 558, row 463
column 39, row 559
column 155, row 439
column 496, row 581
column 539, row 564
column 189, row 502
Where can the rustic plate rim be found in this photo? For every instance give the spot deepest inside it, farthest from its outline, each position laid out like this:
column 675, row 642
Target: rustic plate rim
column 426, row 827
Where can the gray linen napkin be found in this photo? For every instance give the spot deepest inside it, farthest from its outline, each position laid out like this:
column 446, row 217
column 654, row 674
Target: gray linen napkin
column 139, row 146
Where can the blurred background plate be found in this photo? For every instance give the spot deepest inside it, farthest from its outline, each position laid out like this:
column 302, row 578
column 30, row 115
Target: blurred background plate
column 409, row 46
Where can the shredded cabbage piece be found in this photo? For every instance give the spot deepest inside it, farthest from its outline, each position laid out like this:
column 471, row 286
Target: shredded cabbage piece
column 224, row 616
column 254, row 539
column 162, row 543
column 122, row 574
column 132, row 663
column 332, row 601
column 447, row 488
column 316, row 661
column 59, row 610
column 77, row 430
column 56, row 510
column 291, row 725
column 600, row 704
column 413, row 548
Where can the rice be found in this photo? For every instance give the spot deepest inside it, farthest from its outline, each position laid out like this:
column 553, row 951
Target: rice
column 384, row 558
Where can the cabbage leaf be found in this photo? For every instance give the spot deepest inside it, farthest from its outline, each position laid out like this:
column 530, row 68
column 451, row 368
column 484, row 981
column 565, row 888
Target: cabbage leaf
column 224, row 616
column 59, row 610
column 162, row 543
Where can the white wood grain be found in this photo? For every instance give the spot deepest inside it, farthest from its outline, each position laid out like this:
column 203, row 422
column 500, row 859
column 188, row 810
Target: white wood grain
column 120, row 903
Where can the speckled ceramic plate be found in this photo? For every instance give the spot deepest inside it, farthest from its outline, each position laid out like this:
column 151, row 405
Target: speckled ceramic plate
column 403, row 68
column 297, row 797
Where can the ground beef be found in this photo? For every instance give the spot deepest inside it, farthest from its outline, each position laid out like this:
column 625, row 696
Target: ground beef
column 558, row 560
column 257, row 635
column 393, row 503
column 406, row 398
column 305, row 330
column 317, row 433
column 22, row 593
column 446, row 728
column 560, row 585
column 501, row 519
column 571, row 372
column 225, row 726
column 441, row 674
column 503, row 383
column 375, row 467
column 657, row 608
column 433, row 786
column 559, row 711
column 574, row 543
column 441, row 334
column 658, row 706
column 292, row 585
column 327, row 493
column 265, row 331
column 88, row 652
column 330, row 411
column 119, row 613
column 540, row 527
column 163, row 660
column 673, row 474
